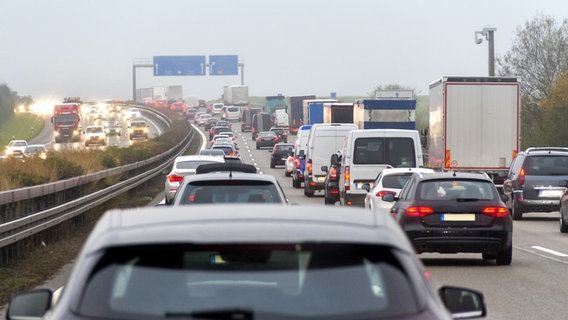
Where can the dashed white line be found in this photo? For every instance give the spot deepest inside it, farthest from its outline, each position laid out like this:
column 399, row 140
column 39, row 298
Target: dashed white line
column 556, row 253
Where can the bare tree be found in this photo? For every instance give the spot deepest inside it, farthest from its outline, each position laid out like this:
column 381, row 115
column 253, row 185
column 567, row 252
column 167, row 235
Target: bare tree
column 539, row 55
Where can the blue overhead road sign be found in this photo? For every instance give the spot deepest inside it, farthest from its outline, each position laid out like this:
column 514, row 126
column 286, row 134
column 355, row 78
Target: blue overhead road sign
column 227, row 65
column 179, row 65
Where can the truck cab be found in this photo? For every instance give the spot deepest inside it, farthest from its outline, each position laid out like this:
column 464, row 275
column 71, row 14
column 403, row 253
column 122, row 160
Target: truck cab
column 138, row 129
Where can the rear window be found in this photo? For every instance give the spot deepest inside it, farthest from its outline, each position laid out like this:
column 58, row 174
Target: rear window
column 231, row 191
column 233, row 109
column 397, row 152
column 193, row 164
column 546, row 165
column 271, row 280
column 396, row 181
column 457, row 189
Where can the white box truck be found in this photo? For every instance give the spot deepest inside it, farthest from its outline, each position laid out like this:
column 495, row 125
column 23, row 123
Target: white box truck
column 474, row 124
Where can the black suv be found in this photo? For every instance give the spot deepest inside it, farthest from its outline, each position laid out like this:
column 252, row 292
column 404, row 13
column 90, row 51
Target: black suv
column 536, row 180
column 280, row 153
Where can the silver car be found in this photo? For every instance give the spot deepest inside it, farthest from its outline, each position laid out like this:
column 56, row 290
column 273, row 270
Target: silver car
column 247, row 262
column 184, row 166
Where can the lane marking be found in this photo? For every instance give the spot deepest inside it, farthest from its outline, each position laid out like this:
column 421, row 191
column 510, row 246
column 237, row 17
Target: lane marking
column 556, row 253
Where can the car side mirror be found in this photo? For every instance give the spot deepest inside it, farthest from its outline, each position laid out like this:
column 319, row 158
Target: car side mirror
column 462, row 302
column 366, row 187
column 389, row 197
column 504, row 198
column 30, row 304
column 302, row 153
column 324, row 169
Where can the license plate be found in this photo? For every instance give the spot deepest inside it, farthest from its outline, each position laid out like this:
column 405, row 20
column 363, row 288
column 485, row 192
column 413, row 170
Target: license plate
column 551, row 193
column 458, row 217
column 320, row 179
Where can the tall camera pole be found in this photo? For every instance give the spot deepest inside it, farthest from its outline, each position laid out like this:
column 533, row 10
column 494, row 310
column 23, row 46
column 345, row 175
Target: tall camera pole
column 488, row 34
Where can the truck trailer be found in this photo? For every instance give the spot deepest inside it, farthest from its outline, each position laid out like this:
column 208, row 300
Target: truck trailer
column 296, row 112
column 313, row 110
column 385, row 114
column 236, row 95
column 338, row 113
column 474, row 124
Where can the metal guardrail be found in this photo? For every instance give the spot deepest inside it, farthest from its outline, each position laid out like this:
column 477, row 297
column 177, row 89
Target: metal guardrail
column 33, row 223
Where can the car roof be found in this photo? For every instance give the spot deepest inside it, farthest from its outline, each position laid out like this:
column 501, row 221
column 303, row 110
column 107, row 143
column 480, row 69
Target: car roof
column 455, row 175
column 244, row 223
column 196, row 157
column 387, row 171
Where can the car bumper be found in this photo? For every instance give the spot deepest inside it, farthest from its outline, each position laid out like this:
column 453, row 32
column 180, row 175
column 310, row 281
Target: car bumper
column 355, row 200
column 448, row 240
column 548, row 205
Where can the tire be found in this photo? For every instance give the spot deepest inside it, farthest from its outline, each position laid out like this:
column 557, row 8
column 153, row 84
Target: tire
column 287, row 173
column 328, row 201
column 563, row 224
column 307, row 191
column 296, row 183
column 272, row 165
column 505, row 257
column 257, row 147
column 517, row 212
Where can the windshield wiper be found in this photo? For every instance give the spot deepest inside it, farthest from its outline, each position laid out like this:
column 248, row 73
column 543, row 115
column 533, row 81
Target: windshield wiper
column 221, row 314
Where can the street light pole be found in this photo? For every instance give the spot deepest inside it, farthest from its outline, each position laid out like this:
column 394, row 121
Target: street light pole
column 489, row 35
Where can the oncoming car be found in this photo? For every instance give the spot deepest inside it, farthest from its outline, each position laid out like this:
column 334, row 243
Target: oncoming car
column 247, row 262
column 229, row 183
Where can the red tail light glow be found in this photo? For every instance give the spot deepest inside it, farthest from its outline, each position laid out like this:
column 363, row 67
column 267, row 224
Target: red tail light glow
column 333, row 174
column 347, row 176
column 381, row 193
column 418, row 212
column 522, row 177
column 309, row 166
column 496, row 212
column 175, row 178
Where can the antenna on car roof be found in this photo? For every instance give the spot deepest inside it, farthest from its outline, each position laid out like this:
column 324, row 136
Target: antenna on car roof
column 454, row 173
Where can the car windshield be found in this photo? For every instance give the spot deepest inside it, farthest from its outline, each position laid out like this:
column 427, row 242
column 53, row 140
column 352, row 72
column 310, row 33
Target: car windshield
column 17, row 144
column 457, row 189
column 266, row 280
column 230, row 191
column 95, row 130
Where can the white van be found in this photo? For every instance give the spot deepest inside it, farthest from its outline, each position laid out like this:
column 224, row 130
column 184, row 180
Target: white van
column 325, row 139
column 231, row 113
column 367, row 152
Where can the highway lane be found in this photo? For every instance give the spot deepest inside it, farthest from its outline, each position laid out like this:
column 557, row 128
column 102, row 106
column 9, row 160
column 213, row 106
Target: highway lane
column 532, row 287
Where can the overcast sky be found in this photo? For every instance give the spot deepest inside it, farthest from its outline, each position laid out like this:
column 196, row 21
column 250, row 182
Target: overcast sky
column 294, row 47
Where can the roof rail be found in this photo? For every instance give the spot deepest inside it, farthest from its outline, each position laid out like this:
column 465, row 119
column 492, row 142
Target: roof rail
column 220, row 166
column 546, row 149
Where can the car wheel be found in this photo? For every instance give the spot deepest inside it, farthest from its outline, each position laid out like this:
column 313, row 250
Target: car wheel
column 307, row 191
column 257, row 147
column 287, row 173
column 563, row 224
column 517, row 212
column 328, row 201
column 505, row 257
column 272, row 165
column 296, row 183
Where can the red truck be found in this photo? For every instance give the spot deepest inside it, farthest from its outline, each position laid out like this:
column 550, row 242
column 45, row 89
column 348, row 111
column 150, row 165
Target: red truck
column 66, row 122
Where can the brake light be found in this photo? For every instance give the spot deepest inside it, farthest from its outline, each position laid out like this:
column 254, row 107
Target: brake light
column 381, row 193
column 347, row 176
column 418, row 212
column 496, row 212
column 297, row 163
column 232, row 154
column 333, row 174
column 309, row 165
column 522, row 177
column 175, row 178
column 275, row 139
column 258, row 139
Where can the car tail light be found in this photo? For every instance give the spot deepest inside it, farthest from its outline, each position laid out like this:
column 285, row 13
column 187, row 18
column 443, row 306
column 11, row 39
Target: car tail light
column 232, row 154
column 522, row 177
column 309, row 166
column 275, row 139
column 496, row 212
column 381, row 193
column 297, row 163
column 333, row 174
column 418, row 211
column 175, row 178
column 258, row 139
column 347, row 176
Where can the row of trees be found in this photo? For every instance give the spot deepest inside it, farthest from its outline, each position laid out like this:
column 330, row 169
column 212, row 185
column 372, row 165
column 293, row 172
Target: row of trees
column 8, row 100
column 539, row 56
